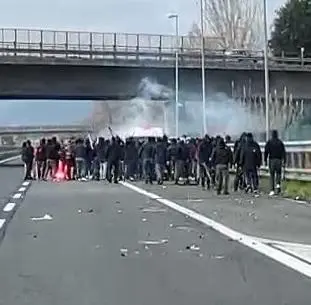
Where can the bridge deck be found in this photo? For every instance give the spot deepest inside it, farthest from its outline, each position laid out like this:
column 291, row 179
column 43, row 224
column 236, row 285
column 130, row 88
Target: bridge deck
column 83, row 48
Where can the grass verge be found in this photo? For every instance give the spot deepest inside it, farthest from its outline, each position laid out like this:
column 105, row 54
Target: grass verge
column 300, row 190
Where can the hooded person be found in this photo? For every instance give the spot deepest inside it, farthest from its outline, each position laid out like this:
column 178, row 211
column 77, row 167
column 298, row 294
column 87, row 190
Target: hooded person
column 222, row 158
column 239, row 179
column 251, row 159
column 275, row 152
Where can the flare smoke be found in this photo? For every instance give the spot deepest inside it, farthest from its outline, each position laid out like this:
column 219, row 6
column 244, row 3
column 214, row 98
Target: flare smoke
column 155, row 107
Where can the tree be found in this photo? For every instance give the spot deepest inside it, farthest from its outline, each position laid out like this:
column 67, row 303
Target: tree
column 230, row 24
column 292, row 28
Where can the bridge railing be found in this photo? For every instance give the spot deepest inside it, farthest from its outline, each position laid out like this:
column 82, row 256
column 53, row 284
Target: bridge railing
column 85, row 45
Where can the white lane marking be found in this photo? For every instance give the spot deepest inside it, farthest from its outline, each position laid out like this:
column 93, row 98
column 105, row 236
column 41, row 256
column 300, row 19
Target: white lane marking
column 243, row 239
column 9, row 159
column 281, row 242
column 303, row 251
column 9, row 207
column 17, row 196
column 26, row 183
column 2, row 221
column 22, row 189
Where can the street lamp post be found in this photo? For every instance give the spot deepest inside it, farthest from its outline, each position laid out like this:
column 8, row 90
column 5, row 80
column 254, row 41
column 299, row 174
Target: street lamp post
column 203, row 67
column 266, row 71
column 176, row 17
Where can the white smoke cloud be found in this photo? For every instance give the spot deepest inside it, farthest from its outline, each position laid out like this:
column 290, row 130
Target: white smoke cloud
column 155, row 107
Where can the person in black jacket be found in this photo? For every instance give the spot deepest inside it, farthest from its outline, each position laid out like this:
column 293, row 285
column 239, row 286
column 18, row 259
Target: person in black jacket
column 160, row 159
column 205, row 150
column 182, row 158
column 148, row 156
column 27, row 158
column 223, row 159
column 130, row 159
column 114, row 154
column 80, row 157
column 41, row 159
column 275, row 151
column 101, row 148
column 251, row 159
column 239, row 179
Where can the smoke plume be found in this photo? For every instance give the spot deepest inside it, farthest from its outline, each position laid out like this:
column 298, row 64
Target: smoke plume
column 155, row 107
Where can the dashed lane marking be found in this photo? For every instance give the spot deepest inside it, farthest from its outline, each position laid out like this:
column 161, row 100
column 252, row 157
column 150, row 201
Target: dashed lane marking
column 26, row 183
column 9, row 207
column 22, row 189
column 2, row 222
column 17, row 196
column 251, row 242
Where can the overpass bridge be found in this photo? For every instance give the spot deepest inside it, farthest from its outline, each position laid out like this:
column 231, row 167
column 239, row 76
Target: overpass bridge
column 11, row 136
column 47, row 129
column 69, row 65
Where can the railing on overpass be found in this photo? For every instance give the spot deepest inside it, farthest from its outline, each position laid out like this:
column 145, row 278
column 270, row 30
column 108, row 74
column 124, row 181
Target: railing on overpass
column 10, row 130
column 130, row 49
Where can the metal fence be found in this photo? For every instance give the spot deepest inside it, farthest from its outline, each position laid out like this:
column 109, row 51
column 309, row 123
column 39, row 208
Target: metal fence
column 72, row 44
column 298, row 163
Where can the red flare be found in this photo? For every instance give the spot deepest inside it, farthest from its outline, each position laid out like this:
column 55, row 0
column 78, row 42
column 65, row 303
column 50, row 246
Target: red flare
column 60, row 173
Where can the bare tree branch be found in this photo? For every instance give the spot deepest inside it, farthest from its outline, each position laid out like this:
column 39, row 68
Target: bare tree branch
column 230, row 24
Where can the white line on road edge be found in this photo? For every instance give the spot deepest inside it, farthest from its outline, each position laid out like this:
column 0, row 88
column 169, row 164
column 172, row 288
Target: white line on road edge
column 9, row 159
column 243, row 239
column 26, row 183
column 17, row 196
column 282, row 243
column 22, row 189
column 2, row 221
column 9, row 207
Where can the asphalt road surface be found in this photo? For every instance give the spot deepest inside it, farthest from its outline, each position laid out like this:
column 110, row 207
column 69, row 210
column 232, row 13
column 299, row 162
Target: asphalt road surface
column 94, row 247
column 10, row 179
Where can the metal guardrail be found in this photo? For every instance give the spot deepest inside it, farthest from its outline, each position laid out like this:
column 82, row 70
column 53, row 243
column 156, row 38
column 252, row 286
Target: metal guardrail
column 142, row 49
column 298, row 165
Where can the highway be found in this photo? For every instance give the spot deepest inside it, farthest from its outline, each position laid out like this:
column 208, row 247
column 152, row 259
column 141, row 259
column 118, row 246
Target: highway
column 125, row 244
column 11, row 177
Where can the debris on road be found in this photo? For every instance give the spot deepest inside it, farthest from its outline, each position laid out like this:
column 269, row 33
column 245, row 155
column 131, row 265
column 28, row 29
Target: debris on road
column 184, row 228
column 218, row 257
column 193, row 247
column 90, row 211
column 124, row 252
column 45, row 217
column 195, row 200
column 153, row 210
column 153, row 242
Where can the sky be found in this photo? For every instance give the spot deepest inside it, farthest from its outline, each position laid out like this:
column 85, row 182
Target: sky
column 131, row 16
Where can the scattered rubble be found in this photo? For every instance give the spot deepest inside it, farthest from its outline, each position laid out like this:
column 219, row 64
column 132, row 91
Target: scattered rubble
column 193, row 247
column 124, row 252
column 153, row 242
column 45, row 217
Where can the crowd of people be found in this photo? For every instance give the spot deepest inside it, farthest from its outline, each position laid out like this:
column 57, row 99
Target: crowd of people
column 204, row 161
